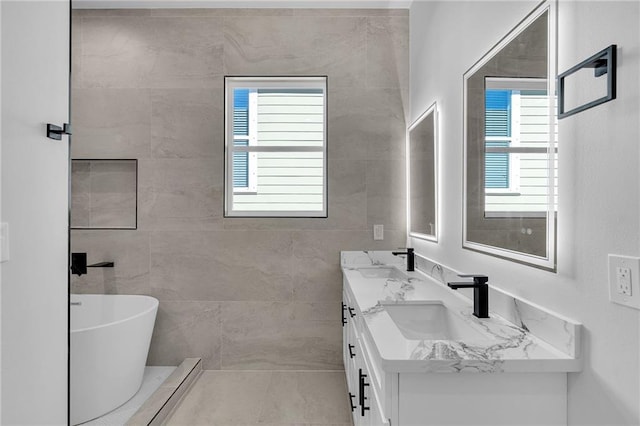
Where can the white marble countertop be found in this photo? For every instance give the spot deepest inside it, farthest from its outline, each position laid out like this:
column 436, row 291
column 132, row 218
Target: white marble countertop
column 509, row 348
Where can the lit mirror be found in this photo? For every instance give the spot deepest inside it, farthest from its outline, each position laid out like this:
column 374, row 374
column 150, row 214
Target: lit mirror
column 510, row 146
column 422, row 151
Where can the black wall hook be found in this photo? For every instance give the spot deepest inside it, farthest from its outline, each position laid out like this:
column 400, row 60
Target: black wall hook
column 56, row 132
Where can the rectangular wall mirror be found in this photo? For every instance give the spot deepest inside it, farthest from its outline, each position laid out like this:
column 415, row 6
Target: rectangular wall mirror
column 510, row 134
column 104, row 194
column 422, row 165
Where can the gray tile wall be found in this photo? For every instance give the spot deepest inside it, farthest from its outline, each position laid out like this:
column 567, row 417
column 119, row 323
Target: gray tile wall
column 103, row 194
column 240, row 293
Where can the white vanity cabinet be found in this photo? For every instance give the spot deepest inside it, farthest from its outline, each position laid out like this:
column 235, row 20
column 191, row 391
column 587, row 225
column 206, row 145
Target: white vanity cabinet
column 505, row 376
column 421, row 399
column 363, row 379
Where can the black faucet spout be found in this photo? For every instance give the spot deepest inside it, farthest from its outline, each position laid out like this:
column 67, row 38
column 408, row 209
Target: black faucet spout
column 480, row 293
column 410, row 258
column 79, row 264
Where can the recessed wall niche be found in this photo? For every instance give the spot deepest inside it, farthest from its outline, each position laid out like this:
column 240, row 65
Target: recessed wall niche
column 104, row 194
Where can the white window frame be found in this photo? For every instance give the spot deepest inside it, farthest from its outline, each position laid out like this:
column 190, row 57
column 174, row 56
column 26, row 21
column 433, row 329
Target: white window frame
column 294, row 82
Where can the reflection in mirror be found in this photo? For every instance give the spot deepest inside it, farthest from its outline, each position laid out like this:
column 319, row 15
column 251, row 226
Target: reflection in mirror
column 510, row 146
column 104, row 194
column 423, row 176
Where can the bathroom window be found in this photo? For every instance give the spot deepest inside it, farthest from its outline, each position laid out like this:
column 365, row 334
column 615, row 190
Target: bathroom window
column 516, row 147
column 276, row 146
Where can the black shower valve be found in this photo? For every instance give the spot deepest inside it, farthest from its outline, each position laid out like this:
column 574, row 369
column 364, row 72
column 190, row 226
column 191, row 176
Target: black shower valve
column 79, row 264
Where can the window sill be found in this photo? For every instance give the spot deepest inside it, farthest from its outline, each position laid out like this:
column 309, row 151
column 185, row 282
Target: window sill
column 503, row 194
column 515, row 215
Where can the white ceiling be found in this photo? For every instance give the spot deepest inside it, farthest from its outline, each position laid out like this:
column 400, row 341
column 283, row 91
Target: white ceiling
column 297, row 4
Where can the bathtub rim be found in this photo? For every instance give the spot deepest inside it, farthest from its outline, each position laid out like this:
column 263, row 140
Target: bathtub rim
column 120, row 321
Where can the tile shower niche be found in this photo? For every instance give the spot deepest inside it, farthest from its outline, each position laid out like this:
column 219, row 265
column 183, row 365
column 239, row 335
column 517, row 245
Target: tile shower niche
column 104, row 194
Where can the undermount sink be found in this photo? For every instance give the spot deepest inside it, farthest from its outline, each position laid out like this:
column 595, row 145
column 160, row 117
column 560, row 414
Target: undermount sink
column 432, row 321
column 381, row 272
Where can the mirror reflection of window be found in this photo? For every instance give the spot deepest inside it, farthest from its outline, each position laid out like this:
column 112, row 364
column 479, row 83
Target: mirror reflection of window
column 517, row 147
column 510, row 145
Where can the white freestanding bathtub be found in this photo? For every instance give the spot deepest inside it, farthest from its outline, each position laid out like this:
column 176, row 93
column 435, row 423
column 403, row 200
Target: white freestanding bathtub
column 110, row 337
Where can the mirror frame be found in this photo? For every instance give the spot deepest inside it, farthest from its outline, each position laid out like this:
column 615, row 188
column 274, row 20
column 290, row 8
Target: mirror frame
column 547, row 262
column 433, row 108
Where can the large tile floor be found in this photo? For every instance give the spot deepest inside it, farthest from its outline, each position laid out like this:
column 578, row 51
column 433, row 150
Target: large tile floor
column 265, row 398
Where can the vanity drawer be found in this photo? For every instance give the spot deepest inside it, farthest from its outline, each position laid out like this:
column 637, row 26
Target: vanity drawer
column 352, row 348
column 377, row 374
column 350, row 313
column 376, row 413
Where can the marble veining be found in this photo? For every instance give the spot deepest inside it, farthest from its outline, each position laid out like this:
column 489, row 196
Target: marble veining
column 509, row 344
column 519, row 318
column 355, row 259
column 560, row 332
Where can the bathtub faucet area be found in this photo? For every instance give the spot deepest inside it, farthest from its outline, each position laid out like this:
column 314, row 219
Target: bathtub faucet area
column 79, row 264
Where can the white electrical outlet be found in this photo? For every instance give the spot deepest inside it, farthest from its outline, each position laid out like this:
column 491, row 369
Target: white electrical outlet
column 378, row 232
column 624, row 280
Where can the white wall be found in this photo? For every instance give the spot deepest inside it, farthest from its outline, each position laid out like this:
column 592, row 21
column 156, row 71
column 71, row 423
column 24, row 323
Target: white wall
column 599, row 183
column 0, row 209
column 34, row 180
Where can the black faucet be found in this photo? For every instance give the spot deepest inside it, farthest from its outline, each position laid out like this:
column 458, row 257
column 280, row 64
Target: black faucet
column 480, row 293
column 410, row 258
column 79, row 264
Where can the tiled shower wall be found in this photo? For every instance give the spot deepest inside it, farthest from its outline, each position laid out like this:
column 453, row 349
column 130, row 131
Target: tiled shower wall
column 240, row 293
